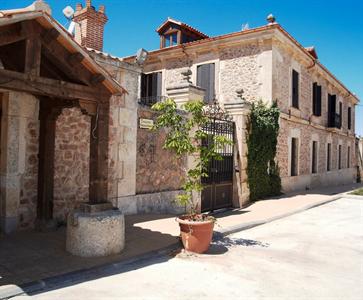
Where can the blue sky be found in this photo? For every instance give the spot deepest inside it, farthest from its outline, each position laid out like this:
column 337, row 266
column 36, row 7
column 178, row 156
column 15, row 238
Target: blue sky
column 333, row 27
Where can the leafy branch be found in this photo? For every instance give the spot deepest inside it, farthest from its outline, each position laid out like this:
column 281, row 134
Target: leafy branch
column 185, row 136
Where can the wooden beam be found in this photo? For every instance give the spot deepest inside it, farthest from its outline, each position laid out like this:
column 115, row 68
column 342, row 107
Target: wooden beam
column 50, row 35
column 98, row 168
column 97, row 78
column 67, row 62
column 49, row 87
column 88, row 107
column 10, row 35
column 33, row 56
column 75, row 58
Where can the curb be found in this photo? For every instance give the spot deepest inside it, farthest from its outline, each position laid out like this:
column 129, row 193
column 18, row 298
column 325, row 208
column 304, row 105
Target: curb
column 129, row 264
column 84, row 274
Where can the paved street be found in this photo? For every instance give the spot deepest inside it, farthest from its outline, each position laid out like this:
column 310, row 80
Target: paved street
column 316, row 254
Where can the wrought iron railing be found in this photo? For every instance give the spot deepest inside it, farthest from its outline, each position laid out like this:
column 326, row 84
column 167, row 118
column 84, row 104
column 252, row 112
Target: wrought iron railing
column 149, row 101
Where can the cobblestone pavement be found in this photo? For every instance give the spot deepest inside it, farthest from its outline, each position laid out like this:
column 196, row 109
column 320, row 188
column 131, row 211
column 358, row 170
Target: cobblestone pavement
column 315, row 254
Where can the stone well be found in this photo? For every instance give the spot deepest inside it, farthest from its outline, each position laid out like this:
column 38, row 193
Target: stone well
column 96, row 233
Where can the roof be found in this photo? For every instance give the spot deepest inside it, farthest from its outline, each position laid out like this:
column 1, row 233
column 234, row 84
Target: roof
column 309, row 51
column 181, row 24
column 8, row 17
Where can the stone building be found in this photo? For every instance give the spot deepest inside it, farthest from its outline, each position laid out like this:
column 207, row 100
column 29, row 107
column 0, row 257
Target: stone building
column 316, row 144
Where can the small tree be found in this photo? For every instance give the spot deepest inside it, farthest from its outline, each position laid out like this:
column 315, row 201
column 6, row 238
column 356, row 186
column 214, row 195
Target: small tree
column 185, row 136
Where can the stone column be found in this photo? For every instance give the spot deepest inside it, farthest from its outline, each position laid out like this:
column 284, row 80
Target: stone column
column 185, row 92
column 240, row 110
column 17, row 109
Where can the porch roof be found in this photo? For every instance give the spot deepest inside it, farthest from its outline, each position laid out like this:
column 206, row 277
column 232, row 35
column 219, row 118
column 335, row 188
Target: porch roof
column 8, row 17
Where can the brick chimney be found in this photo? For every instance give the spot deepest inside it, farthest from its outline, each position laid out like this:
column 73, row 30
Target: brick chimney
column 90, row 25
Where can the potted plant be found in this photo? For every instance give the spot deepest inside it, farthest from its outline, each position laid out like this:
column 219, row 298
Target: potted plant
column 185, row 136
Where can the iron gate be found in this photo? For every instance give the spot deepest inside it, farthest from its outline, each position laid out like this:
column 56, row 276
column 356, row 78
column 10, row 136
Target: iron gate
column 218, row 186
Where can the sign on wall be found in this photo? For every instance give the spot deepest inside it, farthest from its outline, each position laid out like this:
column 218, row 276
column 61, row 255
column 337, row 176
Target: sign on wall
column 146, row 123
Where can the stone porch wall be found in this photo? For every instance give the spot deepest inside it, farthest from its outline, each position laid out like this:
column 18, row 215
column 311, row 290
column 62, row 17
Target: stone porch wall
column 71, row 162
column 157, row 169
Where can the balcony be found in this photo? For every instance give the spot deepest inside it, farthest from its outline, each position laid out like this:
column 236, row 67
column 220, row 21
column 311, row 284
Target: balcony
column 334, row 121
column 150, row 100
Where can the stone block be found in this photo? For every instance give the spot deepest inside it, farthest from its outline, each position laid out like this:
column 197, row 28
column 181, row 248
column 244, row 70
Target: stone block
column 95, row 234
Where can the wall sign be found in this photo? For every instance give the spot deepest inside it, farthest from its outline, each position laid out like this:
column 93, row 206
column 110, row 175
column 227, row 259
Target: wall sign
column 146, row 123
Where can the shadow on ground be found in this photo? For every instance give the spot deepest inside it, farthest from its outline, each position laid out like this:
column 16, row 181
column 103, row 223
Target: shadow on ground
column 221, row 244
column 29, row 256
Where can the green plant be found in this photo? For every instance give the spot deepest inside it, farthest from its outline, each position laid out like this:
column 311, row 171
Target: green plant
column 358, row 192
column 184, row 137
column 262, row 171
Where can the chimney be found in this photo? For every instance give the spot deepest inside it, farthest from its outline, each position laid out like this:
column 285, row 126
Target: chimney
column 90, row 25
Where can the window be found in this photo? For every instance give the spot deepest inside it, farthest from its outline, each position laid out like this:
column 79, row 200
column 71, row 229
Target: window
column 316, row 99
column 328, row 157
column 295, row 89
column 348, row 157
column 171, row 39
column 205, row 80
column 294, row 156
column 339, row 157
column 332, row 116
column 150, row 88
column 314, row 158
column 349, row 118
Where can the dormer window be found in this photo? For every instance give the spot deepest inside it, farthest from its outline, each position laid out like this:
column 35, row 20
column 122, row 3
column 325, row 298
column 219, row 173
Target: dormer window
column 174, row 33
column 171, row 39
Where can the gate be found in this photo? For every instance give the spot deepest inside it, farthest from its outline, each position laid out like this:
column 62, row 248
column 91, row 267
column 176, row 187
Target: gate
column 218, row 186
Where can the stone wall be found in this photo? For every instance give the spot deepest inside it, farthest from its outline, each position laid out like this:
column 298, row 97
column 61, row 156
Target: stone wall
column 71, row 162
column 302, row 124
column 123, row 128
column 157, row 169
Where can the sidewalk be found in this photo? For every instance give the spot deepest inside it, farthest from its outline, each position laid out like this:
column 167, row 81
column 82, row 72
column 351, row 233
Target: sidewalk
column 26, row 258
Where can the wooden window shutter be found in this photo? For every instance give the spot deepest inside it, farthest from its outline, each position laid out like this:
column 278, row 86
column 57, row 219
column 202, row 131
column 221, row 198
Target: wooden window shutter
column 159, row 84
column 205, row 80
column 349, row 118
column 211, row 94
column 315, row 98
column 318, row 91
column 295, row 89
column 143, row 85
column 328, row 157
column 314, row 157
column 294, row 156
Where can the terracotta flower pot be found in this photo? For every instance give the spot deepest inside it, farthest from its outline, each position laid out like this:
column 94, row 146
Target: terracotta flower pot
column 196, row 235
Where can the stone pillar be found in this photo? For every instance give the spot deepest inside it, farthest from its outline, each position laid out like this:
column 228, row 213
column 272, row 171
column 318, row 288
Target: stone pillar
column 240, row 110
column 17, row 109
column 185, row 92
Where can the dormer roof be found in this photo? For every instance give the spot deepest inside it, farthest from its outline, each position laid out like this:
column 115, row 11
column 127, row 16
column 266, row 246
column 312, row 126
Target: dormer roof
column 165, row 25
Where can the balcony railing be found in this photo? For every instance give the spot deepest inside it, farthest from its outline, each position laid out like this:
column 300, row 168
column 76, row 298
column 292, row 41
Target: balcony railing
column 335, row 121
column 149, row 101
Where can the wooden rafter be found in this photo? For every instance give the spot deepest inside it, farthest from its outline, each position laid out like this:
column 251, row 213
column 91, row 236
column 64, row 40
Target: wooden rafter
column 49, row 87
column 11, row 34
